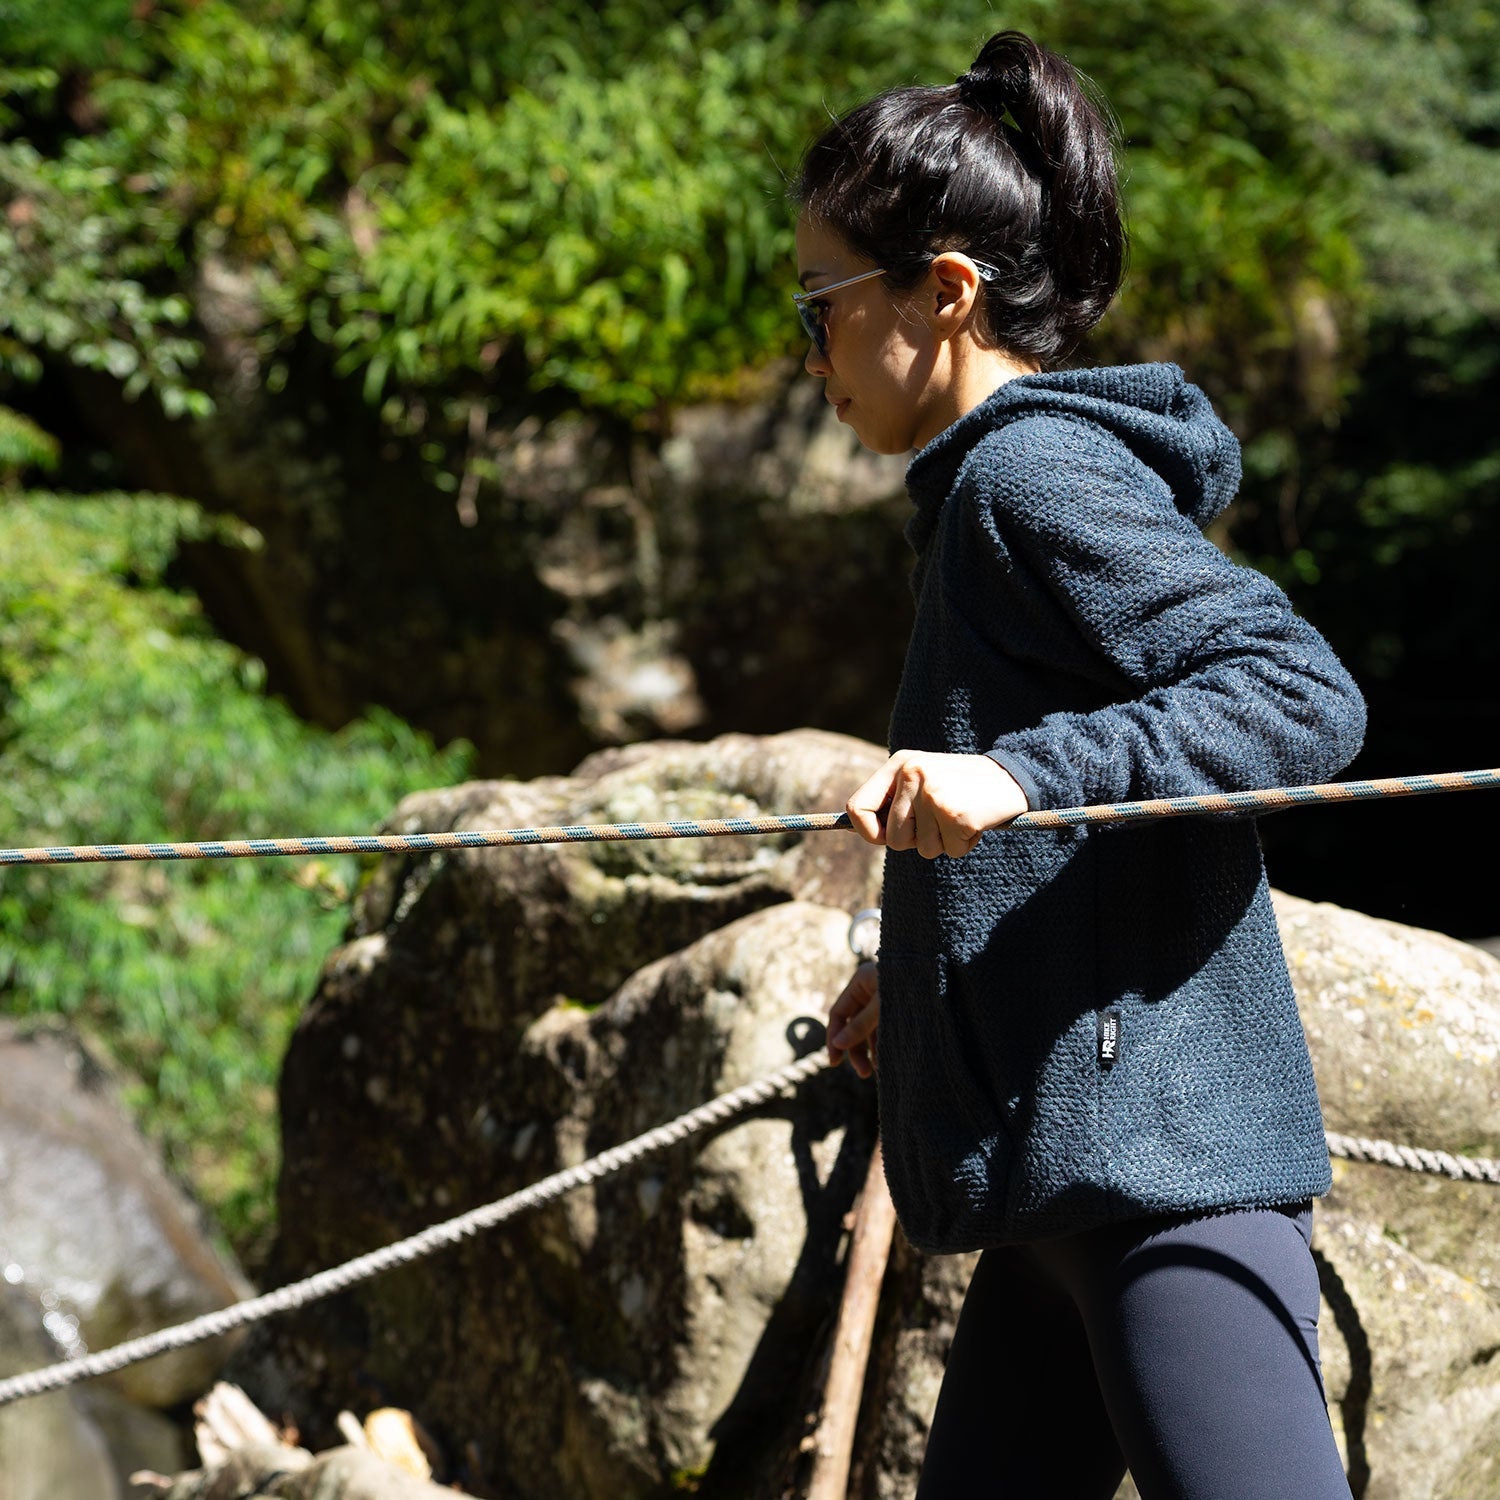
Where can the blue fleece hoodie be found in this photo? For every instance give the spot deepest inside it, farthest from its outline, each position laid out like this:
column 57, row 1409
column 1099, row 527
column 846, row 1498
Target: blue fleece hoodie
column 1093, row 1024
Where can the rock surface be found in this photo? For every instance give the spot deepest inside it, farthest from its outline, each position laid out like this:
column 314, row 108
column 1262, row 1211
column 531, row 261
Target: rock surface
column 49, row 1450
column 1411, row 1362
column 1404, row 1026
column 97, row 1245
column 497, row 1014
column 1404, row 1029
column 90, row 1224
column 294, row 1474
column 601, row 585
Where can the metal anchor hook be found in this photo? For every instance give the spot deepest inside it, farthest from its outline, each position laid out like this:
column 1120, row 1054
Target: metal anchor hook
column 864, row 933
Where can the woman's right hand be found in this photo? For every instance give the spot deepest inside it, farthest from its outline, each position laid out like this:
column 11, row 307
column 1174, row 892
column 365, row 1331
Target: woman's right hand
column 852, row 1020
column 935, row 802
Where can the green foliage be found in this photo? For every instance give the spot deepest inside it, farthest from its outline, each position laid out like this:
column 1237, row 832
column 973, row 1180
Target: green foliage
column 1242, row 223
column 594, row 193
column 258, row 133
column 1409, row 99
column 612, row 221
column 1400, row 502
column 88, row 254
column 23, row 445
column 123, row 719
column 18, row 84
column 520, row 226
column 470, row 50
column 78, row 34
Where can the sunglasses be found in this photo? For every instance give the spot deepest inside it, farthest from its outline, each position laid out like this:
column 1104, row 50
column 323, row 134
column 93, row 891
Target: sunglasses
column 811, row 311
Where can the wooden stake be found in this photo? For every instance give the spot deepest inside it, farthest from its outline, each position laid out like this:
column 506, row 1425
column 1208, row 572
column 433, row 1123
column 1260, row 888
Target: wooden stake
column 869, row 1251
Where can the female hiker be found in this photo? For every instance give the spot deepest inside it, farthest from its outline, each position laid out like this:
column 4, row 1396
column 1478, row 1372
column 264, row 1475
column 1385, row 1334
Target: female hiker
column 1091, row 1065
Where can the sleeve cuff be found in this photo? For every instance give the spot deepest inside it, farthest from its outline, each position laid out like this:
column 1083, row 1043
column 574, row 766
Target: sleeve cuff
column 1019, row 771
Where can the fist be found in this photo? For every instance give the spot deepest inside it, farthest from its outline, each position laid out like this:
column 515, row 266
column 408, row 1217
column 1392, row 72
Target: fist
column 935, row 803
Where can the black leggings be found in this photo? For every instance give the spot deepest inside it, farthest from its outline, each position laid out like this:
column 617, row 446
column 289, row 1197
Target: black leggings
column 1184, row 1347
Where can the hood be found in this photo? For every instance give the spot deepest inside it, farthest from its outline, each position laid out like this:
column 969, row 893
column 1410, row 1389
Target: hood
column 1164, row 419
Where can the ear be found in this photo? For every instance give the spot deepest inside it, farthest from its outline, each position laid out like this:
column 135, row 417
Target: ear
column 951, row 292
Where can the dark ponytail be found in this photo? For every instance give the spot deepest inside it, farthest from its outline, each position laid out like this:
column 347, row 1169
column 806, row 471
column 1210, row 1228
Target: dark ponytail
column 916, row 171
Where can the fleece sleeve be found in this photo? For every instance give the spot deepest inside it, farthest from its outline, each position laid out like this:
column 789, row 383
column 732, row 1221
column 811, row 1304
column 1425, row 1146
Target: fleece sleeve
column 1227, row 688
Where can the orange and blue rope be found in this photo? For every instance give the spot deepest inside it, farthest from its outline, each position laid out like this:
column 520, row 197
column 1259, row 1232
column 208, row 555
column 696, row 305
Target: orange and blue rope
column 404, row 843
column 1271, row 800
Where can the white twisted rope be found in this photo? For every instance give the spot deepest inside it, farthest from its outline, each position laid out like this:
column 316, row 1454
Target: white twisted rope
column 403, row 1252
column 452, row 1231
column 1414, row 1158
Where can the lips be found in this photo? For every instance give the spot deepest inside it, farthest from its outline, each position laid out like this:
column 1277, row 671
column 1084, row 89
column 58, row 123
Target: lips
column 839, row 406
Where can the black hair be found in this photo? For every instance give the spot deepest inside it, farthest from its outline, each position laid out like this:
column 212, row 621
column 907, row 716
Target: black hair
column 916, row 171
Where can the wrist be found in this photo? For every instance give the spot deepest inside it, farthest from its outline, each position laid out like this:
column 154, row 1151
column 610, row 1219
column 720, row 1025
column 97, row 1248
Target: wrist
column 1009, row 799
column 1020, row 776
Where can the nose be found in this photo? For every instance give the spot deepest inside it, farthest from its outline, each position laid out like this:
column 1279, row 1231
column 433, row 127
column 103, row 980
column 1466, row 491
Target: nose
column 816, row 363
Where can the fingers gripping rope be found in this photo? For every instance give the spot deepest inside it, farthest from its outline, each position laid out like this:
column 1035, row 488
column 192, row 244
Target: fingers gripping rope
column 437, row 1237
column 450, row 1232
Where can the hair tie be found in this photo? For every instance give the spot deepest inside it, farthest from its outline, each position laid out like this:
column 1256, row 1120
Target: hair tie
column 984, row 92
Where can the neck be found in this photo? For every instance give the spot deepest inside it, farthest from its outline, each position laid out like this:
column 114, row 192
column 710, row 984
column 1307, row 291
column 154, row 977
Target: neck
column 976, row 374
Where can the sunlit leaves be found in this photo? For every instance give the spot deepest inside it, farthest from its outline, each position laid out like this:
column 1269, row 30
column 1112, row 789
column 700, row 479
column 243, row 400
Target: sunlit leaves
column 23, row 445
column 123, row 718
column 85, row 268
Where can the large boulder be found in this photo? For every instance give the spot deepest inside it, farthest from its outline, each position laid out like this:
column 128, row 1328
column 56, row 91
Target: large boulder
column 1404, row 1029
column 81, row 1443
column 93, row 1228
column 498, row 1014
column 494, row 1015
column 1404, row 1026
column 593, row 584
column 49, row 1450
column 97, row 1245
column 1409, row 1349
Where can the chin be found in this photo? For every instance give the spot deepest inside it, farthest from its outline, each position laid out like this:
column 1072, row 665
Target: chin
column 884, row 443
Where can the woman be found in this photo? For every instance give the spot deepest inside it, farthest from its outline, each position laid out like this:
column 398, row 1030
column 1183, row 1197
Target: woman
column 1091, row 1065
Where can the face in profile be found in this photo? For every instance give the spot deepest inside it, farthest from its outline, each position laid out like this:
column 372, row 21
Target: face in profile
column 880, row 354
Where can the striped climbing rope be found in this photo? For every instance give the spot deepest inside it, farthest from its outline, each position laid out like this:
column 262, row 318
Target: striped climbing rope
column 453, row 1231
column 1270, row 800
column 408, row 843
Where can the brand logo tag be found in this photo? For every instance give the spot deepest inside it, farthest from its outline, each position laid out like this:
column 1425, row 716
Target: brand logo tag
column 1109, row 1037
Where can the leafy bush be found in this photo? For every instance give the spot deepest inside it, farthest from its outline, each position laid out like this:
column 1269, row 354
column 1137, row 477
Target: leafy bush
column 594, row 193
column 123, row 719
column 86, row 274
column 81, row 34
column 23, row 445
